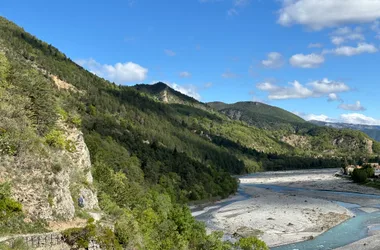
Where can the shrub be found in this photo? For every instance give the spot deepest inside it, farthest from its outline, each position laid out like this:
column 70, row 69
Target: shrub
column 75, row 120
column 56, row 138
column 251, row 243
column 8, row 206
column 369, row 170
column 359, row 175
column 70, row 146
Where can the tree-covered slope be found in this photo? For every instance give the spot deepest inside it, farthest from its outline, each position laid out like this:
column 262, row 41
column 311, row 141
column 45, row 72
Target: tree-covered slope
column 260, row 115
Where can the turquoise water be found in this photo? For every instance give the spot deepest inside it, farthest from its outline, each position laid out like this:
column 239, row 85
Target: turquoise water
column 346, row 233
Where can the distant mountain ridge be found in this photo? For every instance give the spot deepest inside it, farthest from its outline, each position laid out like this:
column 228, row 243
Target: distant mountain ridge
column 372, row 131
column 259, row 114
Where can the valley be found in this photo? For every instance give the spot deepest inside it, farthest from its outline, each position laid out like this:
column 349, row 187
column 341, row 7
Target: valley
column 314, row 208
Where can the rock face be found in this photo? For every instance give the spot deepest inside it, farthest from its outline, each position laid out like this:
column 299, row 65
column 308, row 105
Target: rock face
column 48, row 183
column 297, row 141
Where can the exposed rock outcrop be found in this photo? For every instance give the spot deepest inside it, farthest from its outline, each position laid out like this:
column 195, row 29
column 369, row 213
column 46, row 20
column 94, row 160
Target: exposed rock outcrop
column 48, row 183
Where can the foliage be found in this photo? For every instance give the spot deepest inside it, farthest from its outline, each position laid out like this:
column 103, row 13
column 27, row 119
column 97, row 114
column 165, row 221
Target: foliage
column 359, row 175
column 370, row 171
column 251, row 243
column 56, row 138
column 11, row 215
column 18, row 244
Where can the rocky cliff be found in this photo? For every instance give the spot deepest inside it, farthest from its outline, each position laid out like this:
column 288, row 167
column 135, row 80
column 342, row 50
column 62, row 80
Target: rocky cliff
column 48, row 184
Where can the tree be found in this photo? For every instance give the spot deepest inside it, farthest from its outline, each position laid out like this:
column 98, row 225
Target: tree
column 251, row 243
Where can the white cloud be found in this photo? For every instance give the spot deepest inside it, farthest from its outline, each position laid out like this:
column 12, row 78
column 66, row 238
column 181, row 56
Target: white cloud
column 352, row 107
column 274, row 60
column 337, row 40
column 228, row 74
column 325, row 86
column 312, row 117
column 319, row 14
column 119, row 73
column 169, row 52
column 352, row 51
column 333, row 97
column 184, row 74
column 315, row 45
column 296, row 90
column 306, row 61
column 356, row 118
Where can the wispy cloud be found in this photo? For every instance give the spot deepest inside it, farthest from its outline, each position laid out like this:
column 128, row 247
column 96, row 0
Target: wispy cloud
column 357, row 106
column 361, row 48
column 169, row 52
column 185, row 74
column 274, row 60
column 228, row 74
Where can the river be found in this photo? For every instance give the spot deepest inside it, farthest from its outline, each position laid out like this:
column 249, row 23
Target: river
column 364, row 206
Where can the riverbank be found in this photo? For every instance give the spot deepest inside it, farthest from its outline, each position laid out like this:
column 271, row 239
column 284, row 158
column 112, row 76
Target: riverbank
column 287, row 207
column 279, row 218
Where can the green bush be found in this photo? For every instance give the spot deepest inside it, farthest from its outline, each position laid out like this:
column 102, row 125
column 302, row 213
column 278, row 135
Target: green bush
column 75, row 120
column 251, row 243
column 369, row 170
column 8, row 206
column 56, row 138
column 359, row 175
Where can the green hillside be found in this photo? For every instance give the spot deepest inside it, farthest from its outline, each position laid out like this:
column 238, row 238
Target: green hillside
column 260, row 115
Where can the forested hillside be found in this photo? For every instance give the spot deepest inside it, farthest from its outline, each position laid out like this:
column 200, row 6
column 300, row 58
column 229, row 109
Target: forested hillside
column 150, row 154
column 260, row 115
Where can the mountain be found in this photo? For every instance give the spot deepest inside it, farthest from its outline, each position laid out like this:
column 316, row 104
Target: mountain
column 372, row 131
column 137, row 156
column 162, row 92
column 260, row 115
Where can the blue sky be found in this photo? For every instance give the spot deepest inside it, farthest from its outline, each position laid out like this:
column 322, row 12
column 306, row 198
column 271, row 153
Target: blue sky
column 319, row 59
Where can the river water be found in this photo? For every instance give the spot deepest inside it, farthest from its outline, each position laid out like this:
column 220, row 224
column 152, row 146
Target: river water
column 354, row 229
